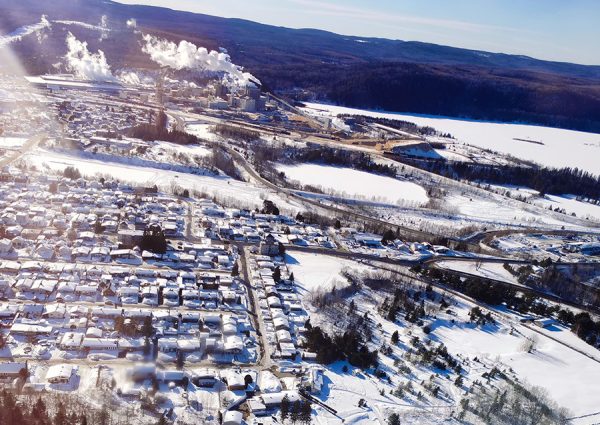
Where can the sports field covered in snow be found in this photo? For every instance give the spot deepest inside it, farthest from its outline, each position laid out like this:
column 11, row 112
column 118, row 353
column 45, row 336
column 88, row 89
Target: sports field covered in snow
column 545, row 145
column 355, row 184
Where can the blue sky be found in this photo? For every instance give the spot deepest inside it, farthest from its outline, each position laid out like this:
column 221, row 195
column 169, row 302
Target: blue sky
column 562, row 30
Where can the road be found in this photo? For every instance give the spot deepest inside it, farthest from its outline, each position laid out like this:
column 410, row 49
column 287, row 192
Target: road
column 264, row 361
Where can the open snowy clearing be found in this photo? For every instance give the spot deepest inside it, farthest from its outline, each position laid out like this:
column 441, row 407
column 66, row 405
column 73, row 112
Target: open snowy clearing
column 224, row 188
column 12, row 142
column 203, row 131
column 570, row 378
column 316, row 271
column 488, row 270
column 500, row 210
column 548, row 146
column 193, row 150
column 354, row 183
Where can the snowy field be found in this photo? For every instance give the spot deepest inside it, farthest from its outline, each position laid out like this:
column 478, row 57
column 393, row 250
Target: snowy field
column 355, row 184
column 225, row 188
column 203, row 131
column 488, row 270
column 570, row 378
column 316, row 271
column 497, row 209
column 548, row 146
column 12, row 142
column 192, row 150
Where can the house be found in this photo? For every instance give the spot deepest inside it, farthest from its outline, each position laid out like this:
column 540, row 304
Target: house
column 176, row 376
column 232, row 417
column 204, row 378
column 100, row 344
column 233, row 344
column 30, row 329
column 141, row 372
column 314, row 380
column 71, row 341
column 369, row 240
column 264, row 403
column 269, row 246
column 60, row 373
column 544, row 323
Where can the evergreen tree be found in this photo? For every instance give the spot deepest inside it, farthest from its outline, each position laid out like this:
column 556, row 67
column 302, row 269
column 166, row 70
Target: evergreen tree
column 295, row 412
column 394, row 419
column 395, row 337
column 61, row 414
column 277, row 274
column 305, row 412
column 235, row 270
column 285, row 408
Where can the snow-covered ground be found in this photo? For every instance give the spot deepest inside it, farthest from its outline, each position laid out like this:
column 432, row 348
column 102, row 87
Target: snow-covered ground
column 203, row 131
column 570, row 378
column 355, row 184
column 548, row 146
column 571, row 205
column 225, row 188
column 316, row 271
column 488, row 270
column 494, row 208
column 12, row 142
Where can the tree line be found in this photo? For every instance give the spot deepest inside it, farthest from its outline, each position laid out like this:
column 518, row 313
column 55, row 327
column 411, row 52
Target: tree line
column 546, row 180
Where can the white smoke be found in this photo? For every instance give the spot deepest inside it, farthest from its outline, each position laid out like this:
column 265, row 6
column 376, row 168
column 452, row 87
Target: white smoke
column 19, row 33
column 135, row 78
column 84, row 25
column 131, row 23
column 186, row 55
column 86, row 65
column 104, row 27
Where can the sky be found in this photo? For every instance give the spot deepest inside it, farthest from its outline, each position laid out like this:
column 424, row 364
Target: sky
column 561, row 30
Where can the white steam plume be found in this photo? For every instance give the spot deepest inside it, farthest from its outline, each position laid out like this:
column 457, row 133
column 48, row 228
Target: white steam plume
column 186, row 55
column 131, row 23
column 24, row 31
column 86, row 65
column 104, row 27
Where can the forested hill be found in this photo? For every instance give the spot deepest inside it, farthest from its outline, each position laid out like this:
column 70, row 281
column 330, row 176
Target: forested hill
column 375, row 73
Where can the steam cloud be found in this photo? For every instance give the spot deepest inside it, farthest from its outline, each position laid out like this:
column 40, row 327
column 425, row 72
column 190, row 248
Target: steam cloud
column 86, row 65
column 104, row 27
column 186, row 55
column 131, row 23
column 26, row 30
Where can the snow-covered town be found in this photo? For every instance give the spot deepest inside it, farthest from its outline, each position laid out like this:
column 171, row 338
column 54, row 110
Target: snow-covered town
column 182, row 244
